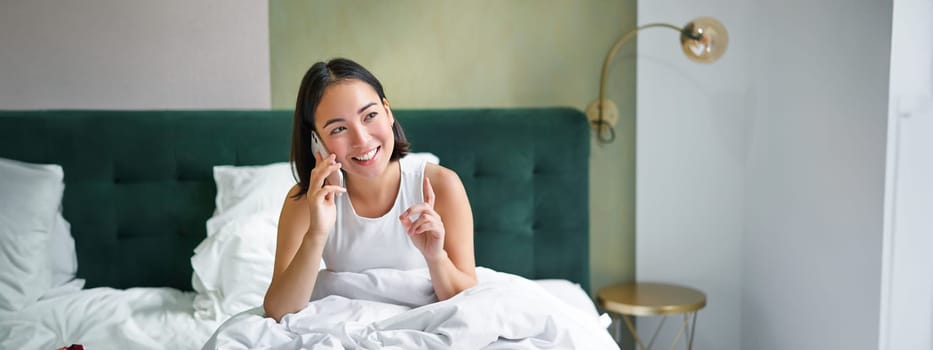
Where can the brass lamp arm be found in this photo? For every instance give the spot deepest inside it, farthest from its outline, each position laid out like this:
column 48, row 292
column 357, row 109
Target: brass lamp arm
column 703, row 40
column 602, row 78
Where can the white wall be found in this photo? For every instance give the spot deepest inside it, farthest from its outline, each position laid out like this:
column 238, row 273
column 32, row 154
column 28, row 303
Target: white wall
column 760, row 178
column 692, row 123
column 815, row 178
column 907, row 279
column 114, row 54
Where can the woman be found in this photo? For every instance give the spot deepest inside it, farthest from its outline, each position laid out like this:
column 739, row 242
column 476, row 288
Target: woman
column 363, row 205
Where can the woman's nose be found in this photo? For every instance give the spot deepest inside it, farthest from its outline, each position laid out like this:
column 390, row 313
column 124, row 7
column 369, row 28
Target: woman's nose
column 360, row 136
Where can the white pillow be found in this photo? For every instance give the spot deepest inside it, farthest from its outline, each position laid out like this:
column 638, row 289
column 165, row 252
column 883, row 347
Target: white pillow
column 243, row 190
column 428, row 157
column 30, row 197
column 64, row 258
column 61, row 251
column 233, row 265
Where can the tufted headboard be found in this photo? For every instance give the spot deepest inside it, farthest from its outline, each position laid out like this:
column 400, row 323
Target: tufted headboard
column 139, row 186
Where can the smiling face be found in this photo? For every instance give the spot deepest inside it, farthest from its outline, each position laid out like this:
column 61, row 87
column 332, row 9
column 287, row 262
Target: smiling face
column 356, row 126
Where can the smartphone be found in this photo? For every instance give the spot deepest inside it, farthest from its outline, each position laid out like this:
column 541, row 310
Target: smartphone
column 317, row 146
column 335, row 178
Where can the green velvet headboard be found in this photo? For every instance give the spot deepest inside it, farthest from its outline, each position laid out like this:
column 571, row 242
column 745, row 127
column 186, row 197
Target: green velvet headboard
column 139, row 186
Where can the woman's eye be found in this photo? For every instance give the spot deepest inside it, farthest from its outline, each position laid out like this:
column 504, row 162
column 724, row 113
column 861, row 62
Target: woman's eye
column 337, row 130
column 371, row 115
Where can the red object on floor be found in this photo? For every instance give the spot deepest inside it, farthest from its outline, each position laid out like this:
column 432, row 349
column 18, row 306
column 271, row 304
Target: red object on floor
column 72, row 347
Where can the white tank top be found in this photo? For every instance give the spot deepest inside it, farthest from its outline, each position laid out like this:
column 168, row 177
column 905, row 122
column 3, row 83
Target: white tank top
column 359, row 243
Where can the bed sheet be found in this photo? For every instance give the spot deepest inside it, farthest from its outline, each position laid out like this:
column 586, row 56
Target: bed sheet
column 146, row 318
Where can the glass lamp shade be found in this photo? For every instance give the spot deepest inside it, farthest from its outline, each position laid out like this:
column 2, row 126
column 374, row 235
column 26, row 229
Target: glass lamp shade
column 704, row 40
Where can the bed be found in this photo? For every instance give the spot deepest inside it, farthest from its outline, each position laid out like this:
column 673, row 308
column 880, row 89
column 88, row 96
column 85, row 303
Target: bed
column 141, row 194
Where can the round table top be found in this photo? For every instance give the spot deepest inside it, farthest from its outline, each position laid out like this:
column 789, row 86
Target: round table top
column 650, row 299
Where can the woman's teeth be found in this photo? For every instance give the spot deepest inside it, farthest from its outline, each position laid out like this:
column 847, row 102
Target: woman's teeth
column 369, row 155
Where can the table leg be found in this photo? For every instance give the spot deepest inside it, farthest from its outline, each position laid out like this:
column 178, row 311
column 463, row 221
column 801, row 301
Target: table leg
column 657, row 330
column 680, row 332
column 687, row 330
column 693, row 328
column 631, row 329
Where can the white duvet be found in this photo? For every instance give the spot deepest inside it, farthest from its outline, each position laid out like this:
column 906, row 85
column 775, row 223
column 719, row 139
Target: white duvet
column 392, row 309
column 164, row 318
column 106, row 318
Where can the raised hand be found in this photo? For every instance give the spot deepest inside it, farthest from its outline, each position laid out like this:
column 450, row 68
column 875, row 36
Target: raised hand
column 424, row 225
column 322, row 196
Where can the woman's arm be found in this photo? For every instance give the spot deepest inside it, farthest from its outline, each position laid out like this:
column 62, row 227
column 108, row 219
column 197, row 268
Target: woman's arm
column 300, row 244
column 444, row 233
column 297, row 261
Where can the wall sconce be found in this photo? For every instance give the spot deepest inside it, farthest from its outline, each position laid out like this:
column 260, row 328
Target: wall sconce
column 703, row 40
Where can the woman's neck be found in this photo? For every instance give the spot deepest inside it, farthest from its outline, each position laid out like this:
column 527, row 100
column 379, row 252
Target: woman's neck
column 373, row 197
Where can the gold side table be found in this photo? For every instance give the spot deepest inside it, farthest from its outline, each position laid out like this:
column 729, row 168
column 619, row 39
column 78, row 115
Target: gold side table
column 653, row 299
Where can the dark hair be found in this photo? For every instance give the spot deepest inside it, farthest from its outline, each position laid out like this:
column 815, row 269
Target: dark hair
column 319, row 77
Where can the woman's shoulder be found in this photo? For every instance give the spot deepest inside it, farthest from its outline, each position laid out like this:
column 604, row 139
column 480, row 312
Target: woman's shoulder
column 449, row 192
column 293, row 192
column 441, row 177
column 293, row 198
column 293, row 209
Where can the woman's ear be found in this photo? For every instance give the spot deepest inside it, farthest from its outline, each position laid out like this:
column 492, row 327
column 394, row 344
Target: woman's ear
column 385, row 104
